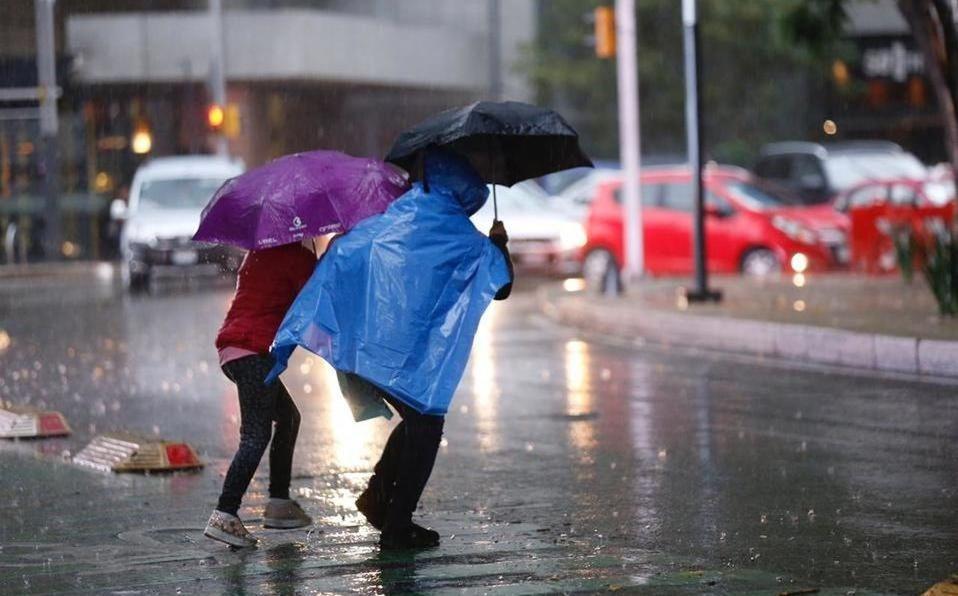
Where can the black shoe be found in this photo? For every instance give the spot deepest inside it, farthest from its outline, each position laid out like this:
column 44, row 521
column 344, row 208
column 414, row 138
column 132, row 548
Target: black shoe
column 372, row 508
column 411, row 536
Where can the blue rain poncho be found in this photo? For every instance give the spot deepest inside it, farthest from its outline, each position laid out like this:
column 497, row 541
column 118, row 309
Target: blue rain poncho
column 398, row 299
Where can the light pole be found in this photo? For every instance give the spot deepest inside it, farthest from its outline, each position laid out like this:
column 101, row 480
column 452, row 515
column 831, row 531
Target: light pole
column 693, row 126
column 629, row 135
column 218, row 69
column 495, row 50
column 49, row 125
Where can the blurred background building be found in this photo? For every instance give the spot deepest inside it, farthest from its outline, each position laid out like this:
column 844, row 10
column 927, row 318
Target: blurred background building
column 136, row 81
column 301, row 74
column 879, row 91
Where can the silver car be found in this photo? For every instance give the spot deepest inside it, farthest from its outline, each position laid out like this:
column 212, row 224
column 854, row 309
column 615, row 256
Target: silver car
column 167, row 196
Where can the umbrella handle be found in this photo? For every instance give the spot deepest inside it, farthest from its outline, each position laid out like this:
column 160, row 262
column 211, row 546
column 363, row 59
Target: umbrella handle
column 495, row 205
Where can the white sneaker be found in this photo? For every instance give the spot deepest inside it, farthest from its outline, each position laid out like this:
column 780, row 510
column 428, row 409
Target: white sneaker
column 229, row 529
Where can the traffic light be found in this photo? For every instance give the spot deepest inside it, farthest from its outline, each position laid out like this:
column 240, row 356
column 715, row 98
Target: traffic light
column 215, row 116
column 604, row 32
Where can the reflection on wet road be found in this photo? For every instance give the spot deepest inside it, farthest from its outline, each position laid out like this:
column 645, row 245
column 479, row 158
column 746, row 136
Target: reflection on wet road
column 569, row 463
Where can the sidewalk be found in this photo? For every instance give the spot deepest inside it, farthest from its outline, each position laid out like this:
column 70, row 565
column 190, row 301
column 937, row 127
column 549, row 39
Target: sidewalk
column 874, row 323
column 60, row 269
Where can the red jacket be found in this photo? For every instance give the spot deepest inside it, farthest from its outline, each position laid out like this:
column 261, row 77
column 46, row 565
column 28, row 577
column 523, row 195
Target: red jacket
column 266, row 285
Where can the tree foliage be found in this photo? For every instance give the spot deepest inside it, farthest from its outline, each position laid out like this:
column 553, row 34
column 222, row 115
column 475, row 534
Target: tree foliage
column 756, row 81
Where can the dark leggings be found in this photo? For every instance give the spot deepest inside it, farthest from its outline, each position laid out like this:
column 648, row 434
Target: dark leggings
column 403, row 470
column 260, row 406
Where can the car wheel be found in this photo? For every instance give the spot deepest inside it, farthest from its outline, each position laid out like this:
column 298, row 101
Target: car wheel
column 601, row 272
column 760, row 262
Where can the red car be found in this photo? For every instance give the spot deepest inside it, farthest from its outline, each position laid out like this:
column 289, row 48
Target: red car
column 897, row 192
column 751, row 227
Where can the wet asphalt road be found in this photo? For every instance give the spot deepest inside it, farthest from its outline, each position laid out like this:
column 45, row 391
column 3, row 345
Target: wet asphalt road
column 569, row 464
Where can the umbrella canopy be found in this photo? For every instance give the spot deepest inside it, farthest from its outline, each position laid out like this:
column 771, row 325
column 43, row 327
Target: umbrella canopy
column 298, row 196
column 506, row 142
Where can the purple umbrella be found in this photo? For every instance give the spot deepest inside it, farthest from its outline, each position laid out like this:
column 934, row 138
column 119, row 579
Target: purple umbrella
column 298, row 196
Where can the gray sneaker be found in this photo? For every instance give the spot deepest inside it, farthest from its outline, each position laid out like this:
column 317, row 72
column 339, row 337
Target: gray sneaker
column 229, row 529
column 285, row 514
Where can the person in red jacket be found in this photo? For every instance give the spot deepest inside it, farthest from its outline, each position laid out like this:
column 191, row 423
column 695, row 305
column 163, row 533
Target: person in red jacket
column 267, row 283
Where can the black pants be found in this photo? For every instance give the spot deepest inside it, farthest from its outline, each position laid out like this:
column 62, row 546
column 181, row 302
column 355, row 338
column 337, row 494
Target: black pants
column 260, row 406
column 403, row 470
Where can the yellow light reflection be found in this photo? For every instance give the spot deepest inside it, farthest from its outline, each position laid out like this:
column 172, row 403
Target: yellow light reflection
column 799, row 280
column 353, row 442
column 579, row 396
column 485, row 391
column 573, row 284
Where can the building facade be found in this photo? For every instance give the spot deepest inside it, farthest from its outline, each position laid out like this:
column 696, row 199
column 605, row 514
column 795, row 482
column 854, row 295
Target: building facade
column 300, row 75
column 879, row 90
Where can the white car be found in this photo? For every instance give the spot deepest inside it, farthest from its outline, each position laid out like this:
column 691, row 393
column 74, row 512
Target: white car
column 577, row 196
column 543, row 236
column 167, row 196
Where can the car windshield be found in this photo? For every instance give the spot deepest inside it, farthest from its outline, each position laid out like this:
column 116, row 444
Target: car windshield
column 759, row 197
column 525, row 197
column 846, row 171
column 180, row 193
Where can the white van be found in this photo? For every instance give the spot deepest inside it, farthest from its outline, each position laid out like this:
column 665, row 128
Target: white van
column 167, row 196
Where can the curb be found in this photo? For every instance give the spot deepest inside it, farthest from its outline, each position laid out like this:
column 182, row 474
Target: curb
column 102, row 269
column 821, row 345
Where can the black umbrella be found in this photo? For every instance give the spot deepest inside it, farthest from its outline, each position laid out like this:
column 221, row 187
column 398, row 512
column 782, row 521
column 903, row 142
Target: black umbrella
column 506, row 142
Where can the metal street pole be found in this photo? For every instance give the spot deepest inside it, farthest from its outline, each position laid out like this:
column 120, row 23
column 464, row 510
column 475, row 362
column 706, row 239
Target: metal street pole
column 629, row 135
column 47, row 79
column 218, row 68
column 693, row 125
column 495, row 50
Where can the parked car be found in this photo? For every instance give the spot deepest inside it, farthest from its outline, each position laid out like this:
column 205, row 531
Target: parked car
column 166, row 199
column 752, row 227
column 819, row 173
column 543, row 236
column 897, row 192
column 557, row 182
column 577, row 196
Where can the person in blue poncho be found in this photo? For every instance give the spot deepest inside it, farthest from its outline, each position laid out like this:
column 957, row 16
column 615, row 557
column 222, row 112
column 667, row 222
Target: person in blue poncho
column 394, row 305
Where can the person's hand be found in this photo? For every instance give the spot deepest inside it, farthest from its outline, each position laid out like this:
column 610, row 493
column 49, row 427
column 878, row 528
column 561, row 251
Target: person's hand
column 497, row 233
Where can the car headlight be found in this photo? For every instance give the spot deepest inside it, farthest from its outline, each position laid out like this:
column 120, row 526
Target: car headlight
column 794, row 230
column 572, row 236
